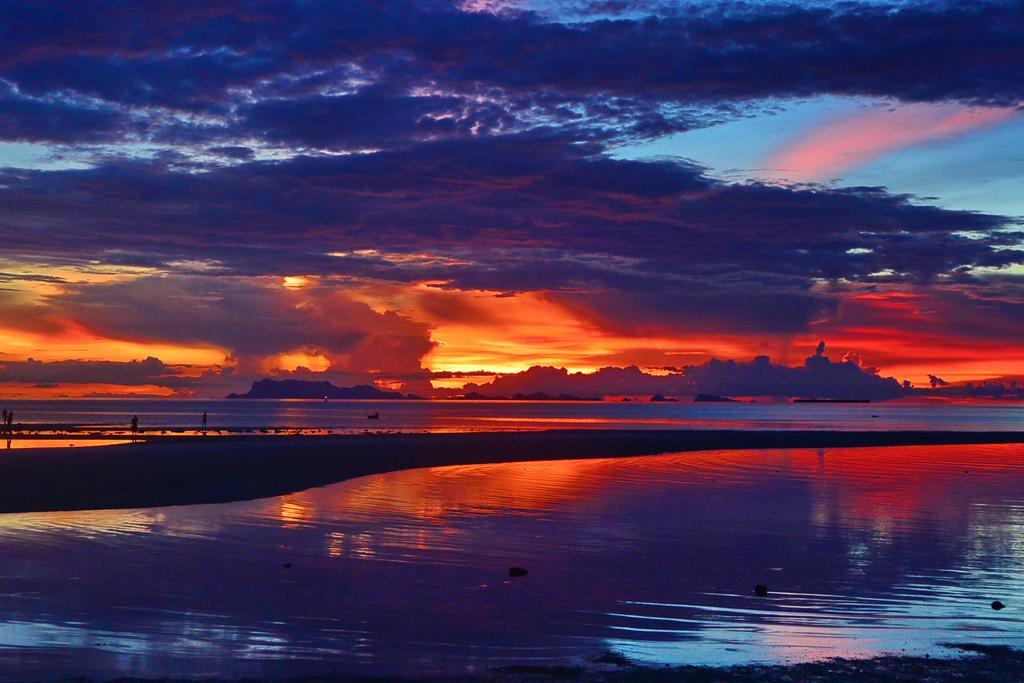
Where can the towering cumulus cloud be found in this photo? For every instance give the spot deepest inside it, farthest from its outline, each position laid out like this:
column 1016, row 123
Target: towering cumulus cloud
column 382, row 191
column 818, row 377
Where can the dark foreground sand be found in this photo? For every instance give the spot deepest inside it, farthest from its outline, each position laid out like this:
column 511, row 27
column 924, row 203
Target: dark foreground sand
column 188, row 470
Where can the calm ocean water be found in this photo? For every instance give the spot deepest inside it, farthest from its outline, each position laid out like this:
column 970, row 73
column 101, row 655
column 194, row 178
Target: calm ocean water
column 501, row 415
column 864, row 550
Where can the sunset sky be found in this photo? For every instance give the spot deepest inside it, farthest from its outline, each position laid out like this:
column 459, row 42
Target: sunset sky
column 197, row 194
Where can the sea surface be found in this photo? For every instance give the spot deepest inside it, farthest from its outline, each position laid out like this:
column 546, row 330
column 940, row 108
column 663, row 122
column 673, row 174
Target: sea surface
column 864, row 551
column 458, row 416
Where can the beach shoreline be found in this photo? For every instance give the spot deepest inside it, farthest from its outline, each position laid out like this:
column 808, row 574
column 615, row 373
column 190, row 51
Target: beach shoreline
column 997, row 664
column 197, row 470
column 965, row 661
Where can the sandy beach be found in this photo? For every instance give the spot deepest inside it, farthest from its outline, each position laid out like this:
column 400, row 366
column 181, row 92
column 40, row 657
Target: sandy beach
column 190, row 470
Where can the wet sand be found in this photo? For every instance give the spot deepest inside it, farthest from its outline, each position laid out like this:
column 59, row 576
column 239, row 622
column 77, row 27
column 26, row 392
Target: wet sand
column 190, row 470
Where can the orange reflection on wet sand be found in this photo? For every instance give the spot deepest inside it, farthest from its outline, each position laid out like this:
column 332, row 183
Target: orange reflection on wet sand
column 879, row 486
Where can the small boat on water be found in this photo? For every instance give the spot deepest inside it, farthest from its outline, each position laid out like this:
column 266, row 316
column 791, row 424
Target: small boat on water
column 373, row 416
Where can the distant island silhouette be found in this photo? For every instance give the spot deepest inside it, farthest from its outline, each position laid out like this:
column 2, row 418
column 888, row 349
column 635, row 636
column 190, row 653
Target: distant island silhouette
column 296, row 388
column 536, row 396
column 831, row 400
column 713, row 398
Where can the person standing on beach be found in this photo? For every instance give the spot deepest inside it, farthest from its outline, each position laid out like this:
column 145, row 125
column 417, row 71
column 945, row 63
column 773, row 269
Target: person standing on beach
column 135, row 427
column 204, row 422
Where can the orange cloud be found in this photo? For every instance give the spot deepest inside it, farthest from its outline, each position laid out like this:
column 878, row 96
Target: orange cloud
column 74, row 341
column 64, row 390
column 485, row 330
column 849, row 142
column 910, row 335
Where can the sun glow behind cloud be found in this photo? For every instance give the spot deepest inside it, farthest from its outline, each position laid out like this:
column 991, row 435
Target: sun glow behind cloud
column 238, row 191
column 906, row 335
column 504, row 333
column 76, row 342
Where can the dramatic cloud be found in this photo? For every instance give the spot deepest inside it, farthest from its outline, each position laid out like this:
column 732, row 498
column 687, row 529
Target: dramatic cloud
column 640, row 244
column 818, row 377
column 500, row 200
column 335, row 186
column 56, row 119
column 639, row 248
column 150, row 371
column 251, row 320
column 343, row 75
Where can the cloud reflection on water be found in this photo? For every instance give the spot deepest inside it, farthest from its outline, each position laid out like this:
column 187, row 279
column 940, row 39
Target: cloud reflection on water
column 865, row 550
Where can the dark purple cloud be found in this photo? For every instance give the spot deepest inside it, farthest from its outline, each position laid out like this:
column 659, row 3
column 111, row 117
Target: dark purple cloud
column 251, row 320
column 499, row 201
column 131, row 373
column 233, row 152
column 818, row 377
column 1008, row 388
column 652, row 242
column 56, row 119
column 313, row 73
column 395, row 142
column 367, row 118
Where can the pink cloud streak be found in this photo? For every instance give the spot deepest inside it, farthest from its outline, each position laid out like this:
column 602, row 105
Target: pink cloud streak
column 849, row 142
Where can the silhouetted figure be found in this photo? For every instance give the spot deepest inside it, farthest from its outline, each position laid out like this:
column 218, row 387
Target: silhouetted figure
column 135, row 427
column 10, row 421
column 204, row 422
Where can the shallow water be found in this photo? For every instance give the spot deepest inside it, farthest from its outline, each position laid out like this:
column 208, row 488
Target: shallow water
column 456, row 416
column 865, row 550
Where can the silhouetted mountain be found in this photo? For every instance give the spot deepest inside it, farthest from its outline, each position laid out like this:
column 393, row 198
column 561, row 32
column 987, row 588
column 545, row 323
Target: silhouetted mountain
column 713, row 398
column 831, row 400
column 661, row 398
column 295, row 388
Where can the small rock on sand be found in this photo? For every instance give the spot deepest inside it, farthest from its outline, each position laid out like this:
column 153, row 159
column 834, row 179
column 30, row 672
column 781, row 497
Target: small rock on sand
column 996, row 605
column 761, row 590
column 517, row 572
